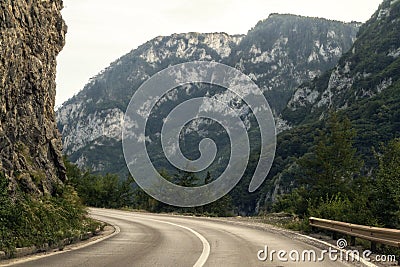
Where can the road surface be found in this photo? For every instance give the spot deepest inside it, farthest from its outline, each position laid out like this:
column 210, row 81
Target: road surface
column 166, row 240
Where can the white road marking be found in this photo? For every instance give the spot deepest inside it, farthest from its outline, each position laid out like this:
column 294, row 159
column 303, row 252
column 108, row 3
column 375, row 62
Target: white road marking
column 206, row 246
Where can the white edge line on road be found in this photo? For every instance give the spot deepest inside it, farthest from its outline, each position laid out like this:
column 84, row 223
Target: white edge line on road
column 68, row 248
column 206, row 246
column 357, row 258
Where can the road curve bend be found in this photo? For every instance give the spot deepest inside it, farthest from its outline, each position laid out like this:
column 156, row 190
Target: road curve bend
column 167, row 240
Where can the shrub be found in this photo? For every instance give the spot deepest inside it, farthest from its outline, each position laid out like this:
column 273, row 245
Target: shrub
column 26, row 220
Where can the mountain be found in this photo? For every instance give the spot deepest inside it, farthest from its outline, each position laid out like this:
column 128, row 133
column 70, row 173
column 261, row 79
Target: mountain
column 369, row 68
column 31, row 36
column 364, row 86
column 283, row 51
column 91, row 121
column 279, row 54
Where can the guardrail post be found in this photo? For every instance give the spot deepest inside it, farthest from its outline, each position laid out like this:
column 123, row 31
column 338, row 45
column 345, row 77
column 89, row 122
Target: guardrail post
column 313, row 228
column 353, row 241
column 373, row 246
column 334, row 236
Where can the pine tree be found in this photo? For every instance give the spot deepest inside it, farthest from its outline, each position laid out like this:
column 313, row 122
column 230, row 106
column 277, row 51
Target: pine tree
column 333, row 167
column 208, row 178
column 186, row 179
column 221, row 207
column 386, row 202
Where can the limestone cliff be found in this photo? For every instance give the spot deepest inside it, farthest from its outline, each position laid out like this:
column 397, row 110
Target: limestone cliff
column 370, row 67
column 278, row 54
column 32, row 33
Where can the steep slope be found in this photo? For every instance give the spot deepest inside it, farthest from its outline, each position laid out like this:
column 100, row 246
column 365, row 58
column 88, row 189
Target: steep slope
column 370, row 67
column 90, row 121
column 31, row 35
column 284, row 51
column 364, row 86
column 38, row 207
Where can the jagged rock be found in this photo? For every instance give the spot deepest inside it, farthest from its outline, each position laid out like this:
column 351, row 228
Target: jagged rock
column 32, row 33
column 366, row 70
column 279, row 53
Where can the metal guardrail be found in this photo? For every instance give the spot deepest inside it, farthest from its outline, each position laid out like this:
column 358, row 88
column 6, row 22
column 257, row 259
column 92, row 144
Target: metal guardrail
column 385, row 236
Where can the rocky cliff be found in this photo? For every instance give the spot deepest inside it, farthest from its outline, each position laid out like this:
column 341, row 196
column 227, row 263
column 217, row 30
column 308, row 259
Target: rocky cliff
column 32, row 33
column 364, row 86
column 370, row 67
column 279, row 54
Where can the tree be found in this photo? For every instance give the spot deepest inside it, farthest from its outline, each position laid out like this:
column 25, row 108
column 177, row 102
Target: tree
column 208, row 178
column 221, row 207
column 107, row 191
column 386, row 193
column 328, row 178
column 186, row 179
column 333, row 166
column 144, row 201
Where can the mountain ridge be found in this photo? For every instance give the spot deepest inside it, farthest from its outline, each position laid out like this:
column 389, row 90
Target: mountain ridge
column 90, row 120
column 364, row 87
column 359, row 73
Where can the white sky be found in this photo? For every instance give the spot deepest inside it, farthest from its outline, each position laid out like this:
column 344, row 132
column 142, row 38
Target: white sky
column 101, row 31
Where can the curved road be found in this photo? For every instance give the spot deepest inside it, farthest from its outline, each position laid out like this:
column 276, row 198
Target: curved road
column 164, row 240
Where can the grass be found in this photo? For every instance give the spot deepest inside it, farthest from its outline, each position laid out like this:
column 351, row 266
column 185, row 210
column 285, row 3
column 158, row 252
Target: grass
column 27, row 221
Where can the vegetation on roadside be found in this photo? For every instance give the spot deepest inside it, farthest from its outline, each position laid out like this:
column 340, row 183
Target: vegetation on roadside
column 101, row 191
column 331, row 183
column 26, row 220
column 110, row 191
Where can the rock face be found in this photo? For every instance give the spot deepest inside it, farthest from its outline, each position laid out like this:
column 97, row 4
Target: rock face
column 32, row 33
column 366, row 70
column 283, row 51
column 364, row 86
column 279, row 54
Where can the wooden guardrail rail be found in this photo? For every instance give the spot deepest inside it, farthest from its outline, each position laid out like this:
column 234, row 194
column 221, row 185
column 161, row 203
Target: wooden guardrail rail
column 385, row 236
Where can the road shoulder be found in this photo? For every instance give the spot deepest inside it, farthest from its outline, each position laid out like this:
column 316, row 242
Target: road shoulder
column 108, row 232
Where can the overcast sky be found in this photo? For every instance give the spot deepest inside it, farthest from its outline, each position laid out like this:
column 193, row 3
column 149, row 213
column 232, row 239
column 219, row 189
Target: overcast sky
column 101, row 31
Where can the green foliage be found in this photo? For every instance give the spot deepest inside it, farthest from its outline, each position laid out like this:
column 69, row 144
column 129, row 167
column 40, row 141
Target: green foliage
column 333, row 166
column 376, row 120
column 293, row 203
column 27, row 221
column 222, row 207
column 335, row 208
column 186, row 179
column 386, row 192
column 300, row 225
column 366, row 71
column 143, row 201
column 109, row 191
column 332, row 187
column 356, row 209
column 106, row 191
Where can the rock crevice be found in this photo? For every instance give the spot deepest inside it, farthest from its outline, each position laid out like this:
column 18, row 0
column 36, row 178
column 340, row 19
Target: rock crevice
column 32, row 33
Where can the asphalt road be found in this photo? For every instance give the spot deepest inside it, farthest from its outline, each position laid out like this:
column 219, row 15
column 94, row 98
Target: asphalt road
column 165, row 240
